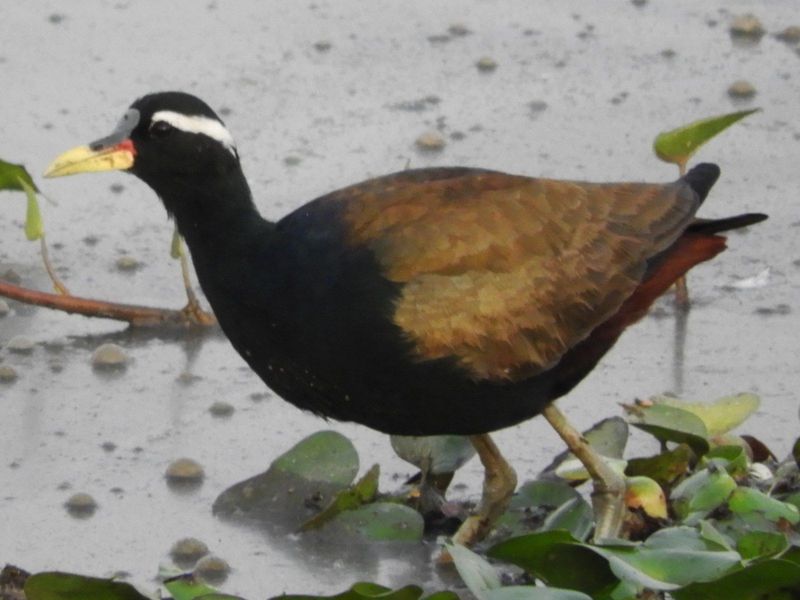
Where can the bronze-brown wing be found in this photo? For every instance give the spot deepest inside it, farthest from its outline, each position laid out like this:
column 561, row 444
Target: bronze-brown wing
column 504, row 273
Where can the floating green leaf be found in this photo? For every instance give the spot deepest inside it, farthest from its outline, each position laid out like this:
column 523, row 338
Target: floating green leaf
column 671, row 424
column 761, row 544
column 769, row 580
column 308, row 475
column 478, row 575
column 67, row 586
column 529, row 592
column 361, row 492
column 607, row 437
column 544, row 555
column 380, row 522
column 187, row 587
column 701, row 493
column 750, row 500
column 719, row 416
column 678, row 145
column 532, row 502
column 669, row 559
column 731, row 458
column 434, row 454
column 372, row 591
column 14, row 177
column 665, row 468
column 575, row 516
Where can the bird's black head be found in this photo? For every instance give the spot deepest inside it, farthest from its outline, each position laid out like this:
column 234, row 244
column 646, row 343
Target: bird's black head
column 171, row 140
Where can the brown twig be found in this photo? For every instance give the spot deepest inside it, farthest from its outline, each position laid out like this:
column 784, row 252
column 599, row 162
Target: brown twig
column 137, row 316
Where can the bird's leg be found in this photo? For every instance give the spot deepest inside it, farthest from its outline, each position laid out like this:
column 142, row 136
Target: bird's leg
column 608, row 496
column 499, row 484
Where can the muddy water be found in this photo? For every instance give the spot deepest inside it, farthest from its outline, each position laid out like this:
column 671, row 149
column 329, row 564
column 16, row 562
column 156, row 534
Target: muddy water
column 320, row 95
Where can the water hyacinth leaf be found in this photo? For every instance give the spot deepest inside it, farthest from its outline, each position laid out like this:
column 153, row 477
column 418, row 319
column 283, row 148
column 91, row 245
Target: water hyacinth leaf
column 532, row 502
column 12, row 177
column 714, row 536
column 379, row 522
column 678, row 145
column 187, row 587
column 701, row 493
column 731, row 458
column 322, row 456
column 719, row 416
column 574, row 516
column 362, row 491
column 308, row 475
column 372, row 591
column 664, row 468
column 751, row 500
column 476, row 572
column 608, row 438
column 796, row 452
column 761, row 544
column 773, row 579
column 573, row 469
column 34, row 228
column 545, row 554
column 434, row 454
column 682, row 537
column 529, row 592
column 660, row 565
column 671, row 424
column 68, row 586
column 645, row 494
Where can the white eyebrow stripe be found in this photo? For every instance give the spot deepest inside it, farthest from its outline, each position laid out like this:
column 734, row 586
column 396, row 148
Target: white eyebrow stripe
column 198, row 124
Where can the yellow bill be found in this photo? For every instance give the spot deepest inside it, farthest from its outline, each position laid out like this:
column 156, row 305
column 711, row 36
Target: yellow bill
column 85, row 159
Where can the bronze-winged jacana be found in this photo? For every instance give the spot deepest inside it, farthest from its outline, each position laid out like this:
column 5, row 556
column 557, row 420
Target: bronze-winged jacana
column 430, row 301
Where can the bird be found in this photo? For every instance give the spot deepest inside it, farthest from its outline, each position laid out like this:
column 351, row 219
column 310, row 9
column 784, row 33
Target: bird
column 440, row 300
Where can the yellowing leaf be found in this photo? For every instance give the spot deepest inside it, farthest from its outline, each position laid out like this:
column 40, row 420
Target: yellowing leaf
column 719, row 416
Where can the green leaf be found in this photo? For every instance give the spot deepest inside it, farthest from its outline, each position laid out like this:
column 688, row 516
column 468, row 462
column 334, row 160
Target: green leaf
column 763, row 580
column 751, row 500
column 671, row 424
column 558, row 559
column 575, row 516
column 532, row 502
column 761, row 544
column 607, row 437
column 296, row 485
column 434, row 454
column 720, row 416
column 699, row 494
column 476, row 572
column 670, row 561
column 176, row 249
column 323, row 456
column 372, row 591
column 714, row 537
column 361, row 492
column 68, row 586
column 34, row 228
column 731, row 458
column 678, row 145
column 529, row 592
column 187, row 587
column 13, row 176
column 381, row 521
column 665, row 468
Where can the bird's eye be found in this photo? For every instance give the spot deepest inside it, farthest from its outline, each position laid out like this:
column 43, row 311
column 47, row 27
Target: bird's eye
column 159, row 129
